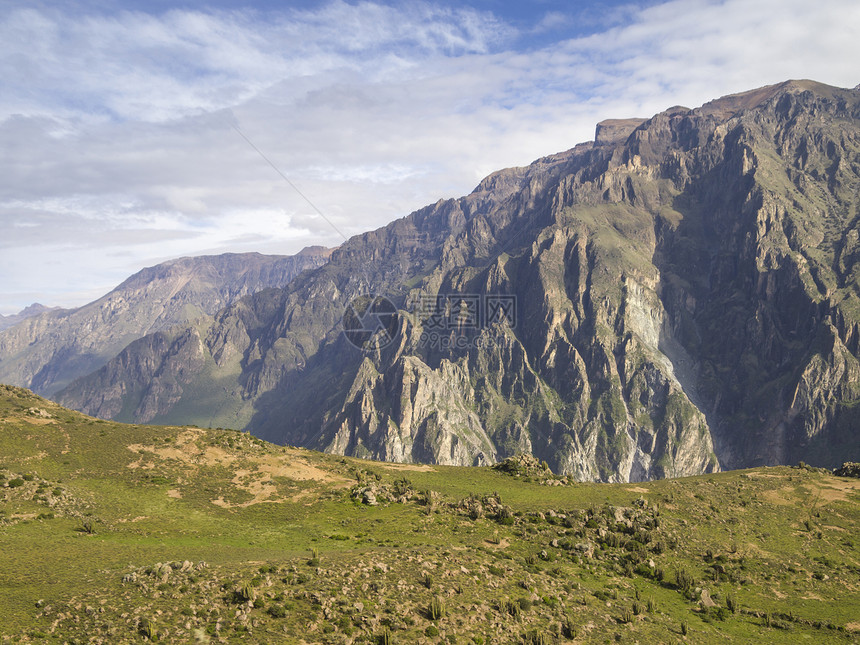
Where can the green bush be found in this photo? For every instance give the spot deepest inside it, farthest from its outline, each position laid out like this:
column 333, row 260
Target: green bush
column 15, row 483
column 431, row 631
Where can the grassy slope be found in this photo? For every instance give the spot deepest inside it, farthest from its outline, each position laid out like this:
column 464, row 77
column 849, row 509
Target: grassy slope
column 780, row 542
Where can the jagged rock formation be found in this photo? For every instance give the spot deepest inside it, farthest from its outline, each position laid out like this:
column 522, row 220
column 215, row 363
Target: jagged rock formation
column 46, row 351
column 686, row 298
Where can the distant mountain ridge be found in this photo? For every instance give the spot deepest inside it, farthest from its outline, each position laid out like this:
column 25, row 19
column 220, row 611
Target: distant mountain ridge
column 688, row 299
column 46, row 351
column 35, row 309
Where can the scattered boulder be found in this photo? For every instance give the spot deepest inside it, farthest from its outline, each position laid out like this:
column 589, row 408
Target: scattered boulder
column 848, row 469
column 521, row 465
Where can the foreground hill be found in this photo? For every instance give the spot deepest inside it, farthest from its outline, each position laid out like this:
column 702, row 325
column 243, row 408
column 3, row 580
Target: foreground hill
column 684, row 297
column 48, row 350
column 112, row 533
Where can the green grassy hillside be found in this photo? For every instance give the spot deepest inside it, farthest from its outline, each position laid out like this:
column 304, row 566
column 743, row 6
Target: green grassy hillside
column 114, row 533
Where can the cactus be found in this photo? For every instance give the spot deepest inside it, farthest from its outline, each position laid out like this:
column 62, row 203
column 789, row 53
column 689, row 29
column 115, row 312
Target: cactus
column 436, row 610
column 384, row 637
column 147, row 629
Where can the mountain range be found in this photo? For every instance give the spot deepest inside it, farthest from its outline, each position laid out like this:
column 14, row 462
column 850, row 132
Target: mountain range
column 48, row 348
column 677, row 297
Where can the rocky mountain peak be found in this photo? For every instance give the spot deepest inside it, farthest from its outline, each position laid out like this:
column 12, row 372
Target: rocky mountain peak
column 614, row 131
column 681, row 297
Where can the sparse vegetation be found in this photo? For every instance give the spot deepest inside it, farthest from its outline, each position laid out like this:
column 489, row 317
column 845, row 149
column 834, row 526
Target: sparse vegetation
column 235, row 556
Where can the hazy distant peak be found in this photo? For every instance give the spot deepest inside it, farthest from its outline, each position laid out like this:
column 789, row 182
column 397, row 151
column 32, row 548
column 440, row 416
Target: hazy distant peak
column 27, row 312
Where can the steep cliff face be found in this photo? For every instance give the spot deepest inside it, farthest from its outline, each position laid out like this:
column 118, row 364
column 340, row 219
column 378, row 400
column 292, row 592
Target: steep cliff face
column 763, row 276
column 47, row 351
column 681, row 295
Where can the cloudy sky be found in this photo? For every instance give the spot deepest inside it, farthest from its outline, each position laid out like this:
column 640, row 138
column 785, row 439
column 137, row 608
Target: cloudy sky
column 134, row 132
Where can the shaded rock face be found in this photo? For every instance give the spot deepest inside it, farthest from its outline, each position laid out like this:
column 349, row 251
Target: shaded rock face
column 686, row 299
column 49, row 349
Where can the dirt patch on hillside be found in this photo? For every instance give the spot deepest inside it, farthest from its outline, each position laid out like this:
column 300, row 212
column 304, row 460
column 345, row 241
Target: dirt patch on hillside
column 253, row 474
column 782, row 496
column 257, row 480
column 39, row 421
column 123, row 520
column 830, row 490
column 761, row 475
column 837, row 490
column 296, row 466
column 424, row 468
column 637, row 489
column 185, row 450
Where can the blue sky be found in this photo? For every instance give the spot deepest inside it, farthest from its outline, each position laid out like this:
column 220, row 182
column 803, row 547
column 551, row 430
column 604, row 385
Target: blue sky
column 118, row 120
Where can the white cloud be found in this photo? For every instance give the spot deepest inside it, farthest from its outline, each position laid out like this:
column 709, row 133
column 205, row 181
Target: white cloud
column 117, row 129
